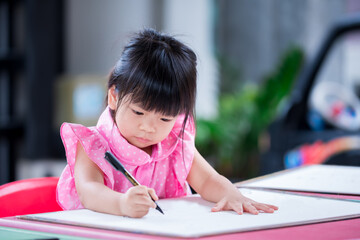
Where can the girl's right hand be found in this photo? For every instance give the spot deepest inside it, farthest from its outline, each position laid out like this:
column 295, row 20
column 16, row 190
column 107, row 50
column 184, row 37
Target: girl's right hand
column 137, row 201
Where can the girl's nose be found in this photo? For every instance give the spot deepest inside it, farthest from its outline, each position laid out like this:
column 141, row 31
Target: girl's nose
column 147, row 126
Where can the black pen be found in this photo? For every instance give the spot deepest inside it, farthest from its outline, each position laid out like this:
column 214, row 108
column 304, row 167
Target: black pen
column 118, row 166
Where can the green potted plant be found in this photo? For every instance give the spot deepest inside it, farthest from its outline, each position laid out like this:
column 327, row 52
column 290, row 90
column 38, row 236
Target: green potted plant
column 230, row 141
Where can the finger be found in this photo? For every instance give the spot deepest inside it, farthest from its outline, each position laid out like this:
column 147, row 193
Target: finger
column 135, row 209
column 146, row 201
column 136, row 189
column 152, row 204
column 263, row 207
column 238, row 208
column 248, row 207
column 141, row 208
column 219, row 206
column 152, row 193
column 140, row 191
column 272, row 206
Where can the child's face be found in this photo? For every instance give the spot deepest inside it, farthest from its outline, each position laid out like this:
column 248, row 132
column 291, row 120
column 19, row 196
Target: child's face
column 142, row 128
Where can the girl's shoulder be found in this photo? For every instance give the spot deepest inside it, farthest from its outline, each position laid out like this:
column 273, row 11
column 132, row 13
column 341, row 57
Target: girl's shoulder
column 76, row 130
column 89, row 137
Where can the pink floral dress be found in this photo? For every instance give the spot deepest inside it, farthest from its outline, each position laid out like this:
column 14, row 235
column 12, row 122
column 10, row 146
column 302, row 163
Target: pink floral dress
column 165, row 170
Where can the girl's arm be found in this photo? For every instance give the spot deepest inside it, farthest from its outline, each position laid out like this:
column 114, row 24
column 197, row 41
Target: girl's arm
column 94, row 195
column 216, row 188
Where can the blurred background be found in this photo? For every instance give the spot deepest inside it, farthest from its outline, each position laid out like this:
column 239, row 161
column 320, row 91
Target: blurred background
column 262, row 106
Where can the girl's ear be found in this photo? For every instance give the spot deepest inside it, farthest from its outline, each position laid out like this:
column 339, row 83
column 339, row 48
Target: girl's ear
column 112, row 98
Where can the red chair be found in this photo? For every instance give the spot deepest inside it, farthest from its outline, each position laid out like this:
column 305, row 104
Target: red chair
column 29, row 196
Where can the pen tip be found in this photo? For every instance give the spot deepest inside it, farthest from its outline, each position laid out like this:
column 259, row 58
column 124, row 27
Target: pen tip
column 159, row 209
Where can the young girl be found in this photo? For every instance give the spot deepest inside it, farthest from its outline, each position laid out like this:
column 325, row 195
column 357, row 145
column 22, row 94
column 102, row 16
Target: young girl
column 149, row 126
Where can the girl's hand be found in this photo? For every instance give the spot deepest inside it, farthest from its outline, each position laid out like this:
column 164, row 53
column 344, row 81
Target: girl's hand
column 239, row 203
column 216, row 188
column 137, row 201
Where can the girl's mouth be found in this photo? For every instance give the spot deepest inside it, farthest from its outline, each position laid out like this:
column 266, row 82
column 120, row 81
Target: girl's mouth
column 142, row 140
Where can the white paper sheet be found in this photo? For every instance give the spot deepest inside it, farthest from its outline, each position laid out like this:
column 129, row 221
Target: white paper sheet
column 313, row 178
column 192, row 217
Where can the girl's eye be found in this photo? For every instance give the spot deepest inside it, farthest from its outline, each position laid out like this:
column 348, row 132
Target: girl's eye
column 165, row 119
column 138, row 113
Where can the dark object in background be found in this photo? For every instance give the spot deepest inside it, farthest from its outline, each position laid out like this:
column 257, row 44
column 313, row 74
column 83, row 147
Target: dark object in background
column 31, row 39
column 292, row 128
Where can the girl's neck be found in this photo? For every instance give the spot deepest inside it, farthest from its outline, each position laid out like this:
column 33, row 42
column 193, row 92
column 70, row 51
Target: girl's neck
column 148, row 150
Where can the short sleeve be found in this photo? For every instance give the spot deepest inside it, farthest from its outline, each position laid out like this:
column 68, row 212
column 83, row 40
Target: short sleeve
column 95, row 147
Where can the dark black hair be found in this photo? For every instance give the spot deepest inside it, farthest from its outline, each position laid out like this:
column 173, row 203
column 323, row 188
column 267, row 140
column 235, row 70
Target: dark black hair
column 158, row 72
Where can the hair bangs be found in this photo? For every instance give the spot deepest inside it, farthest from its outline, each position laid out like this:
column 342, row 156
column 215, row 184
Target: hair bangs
column 159, row 94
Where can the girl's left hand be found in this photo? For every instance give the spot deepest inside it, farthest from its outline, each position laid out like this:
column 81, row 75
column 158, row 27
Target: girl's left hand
column 239, row 203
